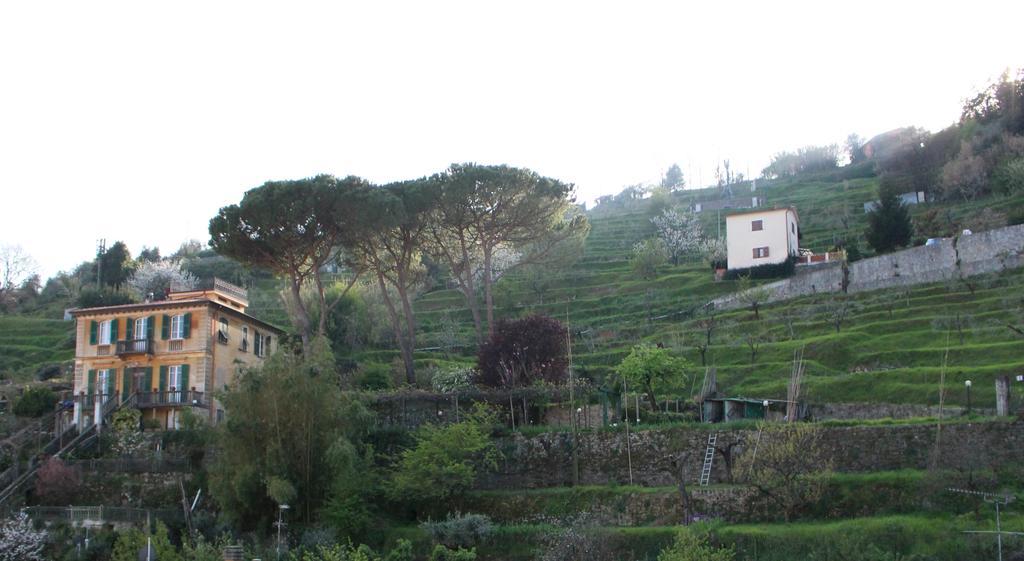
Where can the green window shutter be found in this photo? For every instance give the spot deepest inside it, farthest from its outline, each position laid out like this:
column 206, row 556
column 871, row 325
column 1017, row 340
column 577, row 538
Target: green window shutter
column 163, row 378
column 92, row 332
column 165, row 327
column 113, row 329
column 149, row 328
column 126, row 383
column 147, row 380
column 184, row 377
column 188, row 325
column 129, row 329
column 111, row 381
column 91, row 384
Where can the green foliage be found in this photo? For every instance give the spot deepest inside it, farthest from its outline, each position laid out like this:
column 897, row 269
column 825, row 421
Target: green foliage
column 92, row 297
column 35, row 402
column 806, row 159
column 692, row 545
column 789, row 468
column 460, row 530
column 281, row 491
column 767, row 271
column 442, row 553
column 445, row 460
column 1008, row 179
column 280, row 420
column 889, row 225
column 130, row 542
column 116, row 265
column 647, row 364
column 374, row 376
column 127, row 426
column 448, row 380
column 648, row 256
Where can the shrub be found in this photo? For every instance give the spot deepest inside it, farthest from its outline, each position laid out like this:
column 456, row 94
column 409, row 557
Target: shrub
column 95, row 297
column 460, row 530
column 374, row 377
column 769, row 271
column 452, row 379
column 442, row 553
column 648, row 255
column 35, row 402
column 445, row 460
column 56, row 483
column 523, row 351
column 49, row 371
column 889, row 225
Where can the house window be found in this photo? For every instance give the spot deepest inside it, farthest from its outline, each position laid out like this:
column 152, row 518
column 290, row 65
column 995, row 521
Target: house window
column 222, row 332
column 757, row 225
column 245, row 339
column 140, row 329
column 104, row 381
column 105, row 331
column 174, row 382
column 760, row 252
column 257, row 344
column 792, row 226
column 178, row 327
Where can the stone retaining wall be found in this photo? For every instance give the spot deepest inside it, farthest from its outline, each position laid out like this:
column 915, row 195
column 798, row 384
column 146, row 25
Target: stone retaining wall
column 951, row 258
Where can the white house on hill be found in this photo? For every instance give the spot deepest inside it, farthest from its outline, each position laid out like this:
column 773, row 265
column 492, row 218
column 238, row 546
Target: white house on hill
column 761, row 237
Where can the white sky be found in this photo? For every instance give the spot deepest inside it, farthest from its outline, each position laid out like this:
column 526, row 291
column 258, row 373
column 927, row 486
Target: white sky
column 136, row 121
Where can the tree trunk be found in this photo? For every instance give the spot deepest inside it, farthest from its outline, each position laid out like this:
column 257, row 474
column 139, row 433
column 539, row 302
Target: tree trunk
column 396, row 325
column 470, row 292
column 650, row 396
column 321, row 329
column 488, row 292
column 301, row 319
column 410, row 327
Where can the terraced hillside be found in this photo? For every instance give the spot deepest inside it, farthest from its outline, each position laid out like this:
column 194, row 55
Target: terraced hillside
column 28, row 342
column 890, row 346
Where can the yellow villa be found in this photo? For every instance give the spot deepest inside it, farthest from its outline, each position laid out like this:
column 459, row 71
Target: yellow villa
column 167, row 355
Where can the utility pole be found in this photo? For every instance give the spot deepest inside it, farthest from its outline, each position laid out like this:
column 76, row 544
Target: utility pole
column 572, row 406
column 995, row 500
column 101, row 248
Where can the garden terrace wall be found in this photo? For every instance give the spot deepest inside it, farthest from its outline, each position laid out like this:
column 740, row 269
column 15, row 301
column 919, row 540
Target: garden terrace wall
column 660, row 456
column 951, row 258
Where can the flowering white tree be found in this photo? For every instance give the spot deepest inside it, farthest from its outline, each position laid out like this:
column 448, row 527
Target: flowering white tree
column 155, row 277
column 19, row 541
column 680, row 230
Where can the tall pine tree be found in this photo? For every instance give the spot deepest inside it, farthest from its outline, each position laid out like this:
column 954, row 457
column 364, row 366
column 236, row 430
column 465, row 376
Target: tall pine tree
column 889, row 225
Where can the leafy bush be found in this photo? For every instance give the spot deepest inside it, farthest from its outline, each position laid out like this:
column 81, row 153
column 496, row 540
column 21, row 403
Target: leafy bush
column 445, row 460
column 692, row 545
column 92, row 297
column 460, row 530
column 35, row 402
column 452, row 379
column 769, row 271
column 523, row 351
column 49, row 371
column 648, row 255
column 374, row 376
column 442, row 553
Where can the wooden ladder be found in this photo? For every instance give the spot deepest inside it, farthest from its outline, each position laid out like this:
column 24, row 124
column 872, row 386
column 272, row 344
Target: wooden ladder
column 709, row 457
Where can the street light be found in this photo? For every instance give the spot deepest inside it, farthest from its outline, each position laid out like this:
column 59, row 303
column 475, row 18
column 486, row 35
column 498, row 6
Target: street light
column 280, row 511
column 967, row 384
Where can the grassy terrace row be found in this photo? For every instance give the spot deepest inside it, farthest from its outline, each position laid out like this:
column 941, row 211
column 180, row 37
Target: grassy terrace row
column 26, row 342
column 938, row 537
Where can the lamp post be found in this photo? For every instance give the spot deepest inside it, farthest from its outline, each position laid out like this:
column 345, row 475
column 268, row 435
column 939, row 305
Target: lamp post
column 280, row 523
column 967, row 384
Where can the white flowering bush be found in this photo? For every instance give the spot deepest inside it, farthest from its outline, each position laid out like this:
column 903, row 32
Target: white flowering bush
column 19, row 541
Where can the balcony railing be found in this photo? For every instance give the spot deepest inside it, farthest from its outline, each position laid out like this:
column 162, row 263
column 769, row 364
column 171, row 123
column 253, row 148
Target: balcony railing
column 173, row 398
column 145, row 400
column 135, row 346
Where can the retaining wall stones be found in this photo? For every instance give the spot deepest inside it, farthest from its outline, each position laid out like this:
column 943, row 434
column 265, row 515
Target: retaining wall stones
column 658, row 457
column 963, row 256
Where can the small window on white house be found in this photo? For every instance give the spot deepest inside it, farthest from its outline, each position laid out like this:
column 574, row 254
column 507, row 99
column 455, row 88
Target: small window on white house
column 105, row 331
column 757, row 225
column 792, row 226
column 760, row 252
column 178, row 327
